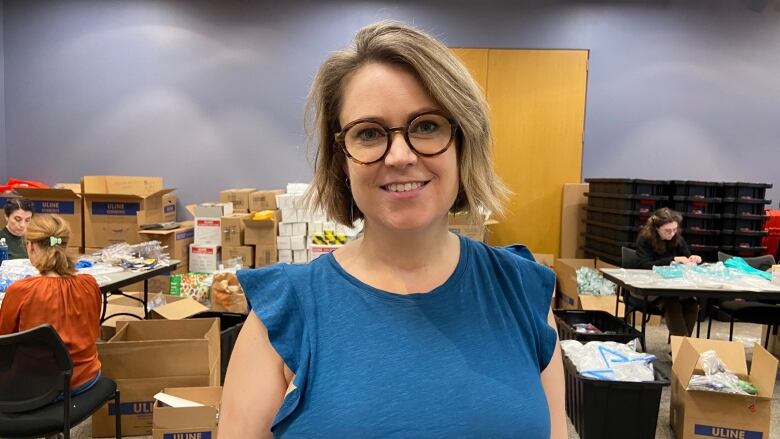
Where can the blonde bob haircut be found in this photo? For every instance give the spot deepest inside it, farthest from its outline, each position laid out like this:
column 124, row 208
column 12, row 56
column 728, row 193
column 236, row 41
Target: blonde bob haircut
column 51, row 256
column 447, row 82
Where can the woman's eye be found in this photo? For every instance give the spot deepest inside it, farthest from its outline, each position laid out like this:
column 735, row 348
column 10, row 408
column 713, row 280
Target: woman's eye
column 368, row 134
column 425, row 127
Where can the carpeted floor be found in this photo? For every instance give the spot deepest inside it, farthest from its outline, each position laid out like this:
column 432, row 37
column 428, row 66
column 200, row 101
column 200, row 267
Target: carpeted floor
column 656, row 344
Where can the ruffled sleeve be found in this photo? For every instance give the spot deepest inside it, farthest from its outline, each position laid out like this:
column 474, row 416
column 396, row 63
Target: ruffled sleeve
column 538, row 284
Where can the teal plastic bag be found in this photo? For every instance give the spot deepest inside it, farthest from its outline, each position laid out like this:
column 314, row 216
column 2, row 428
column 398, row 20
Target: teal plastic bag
column 739, row 264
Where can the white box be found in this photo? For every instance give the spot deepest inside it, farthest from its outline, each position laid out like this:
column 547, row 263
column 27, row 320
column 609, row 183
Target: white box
column 204, row 258
column 315, row 227
column 298, row 242
column 283, row 243
column 285, row 201
column 289, row 215
column 328, row 225
column 208, row 231
column 212, row 210
column 286, row 229
column 286, row 256
column 304, row 215
column 300, row 256
column 298, row 229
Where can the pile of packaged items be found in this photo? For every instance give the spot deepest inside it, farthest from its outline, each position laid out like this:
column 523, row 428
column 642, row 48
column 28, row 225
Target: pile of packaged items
column 717, row 378
column 609, row 360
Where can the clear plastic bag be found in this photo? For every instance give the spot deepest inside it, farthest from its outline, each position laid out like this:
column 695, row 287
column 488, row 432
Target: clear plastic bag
column 717, row 378
column 610, row 360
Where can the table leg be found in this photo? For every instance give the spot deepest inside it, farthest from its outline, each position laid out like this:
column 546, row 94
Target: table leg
column 146, row 298
column 105, row 307
column 644, row 321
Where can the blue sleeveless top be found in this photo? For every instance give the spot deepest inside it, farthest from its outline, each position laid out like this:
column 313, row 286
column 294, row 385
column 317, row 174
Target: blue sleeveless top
column 463, row 360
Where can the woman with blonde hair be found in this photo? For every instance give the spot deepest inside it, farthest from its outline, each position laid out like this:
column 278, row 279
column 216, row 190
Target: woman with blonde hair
column 409, row 331
column 70, row 302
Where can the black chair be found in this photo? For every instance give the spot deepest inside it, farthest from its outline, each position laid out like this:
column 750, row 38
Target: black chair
column 35, row 368
column 747, row 311
column 631, row 303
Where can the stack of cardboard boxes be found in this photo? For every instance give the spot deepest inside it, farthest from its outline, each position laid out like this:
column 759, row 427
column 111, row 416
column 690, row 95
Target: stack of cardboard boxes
column 259, row 236
column 205, row 250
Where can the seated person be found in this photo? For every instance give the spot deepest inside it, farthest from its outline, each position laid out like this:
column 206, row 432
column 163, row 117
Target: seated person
column 18, row 213
column 68, row 301
column 659, row 243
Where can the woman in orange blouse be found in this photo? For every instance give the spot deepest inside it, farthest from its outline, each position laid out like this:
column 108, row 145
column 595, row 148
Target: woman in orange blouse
column 68, row 301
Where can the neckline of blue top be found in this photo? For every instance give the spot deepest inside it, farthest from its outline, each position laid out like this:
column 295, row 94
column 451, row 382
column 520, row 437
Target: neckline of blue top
column 411, row 298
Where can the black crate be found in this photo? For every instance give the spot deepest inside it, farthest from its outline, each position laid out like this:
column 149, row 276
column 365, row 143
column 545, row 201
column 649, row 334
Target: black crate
column 696, row 189
column 612, row 328
column 695, row 205
column 637, row 203
column 744, row 252
column 606, row 257
column 743, row 222
column 617, row 217
column 612, row 409
column 230, row 325
column 736, row 238
column 708, row 253
column 754, row 191
column 609, row 231
column 702, row 221
column 702, row 237
column 606, row 245
column 743, row 206
column 627, row 186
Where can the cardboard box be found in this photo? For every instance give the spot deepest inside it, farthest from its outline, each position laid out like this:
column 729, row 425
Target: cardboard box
column 315, row 251
column 126, row 311
column 566, row 272
column 463, row 225
column 545, row 259
column 114, row 207
column 298, row 243
column 284, row 242
column 147, row 356
column 177, row 241
column 572, row 220
column 264, row 200
column 265, row 255
column 160, row 283
column 701, row 414
column 300, row 256
column 245, row 252
column 170, row 422
column 177, row 308
column 239, row 198
column 204, row 258
column 286, row 256
column 288, row 215
column 233, row 229
column 208, row 231
column 261, row 232
column 63, row 202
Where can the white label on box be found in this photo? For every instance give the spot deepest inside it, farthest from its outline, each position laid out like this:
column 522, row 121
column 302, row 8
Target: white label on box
column 286, row 256
column 776, row 275
column 299, row 229
column 298, row 242
column 286, row 229
column 204, row 258
column 208, row 231
column 289, row 215
column 283, row 243
column 300, row 256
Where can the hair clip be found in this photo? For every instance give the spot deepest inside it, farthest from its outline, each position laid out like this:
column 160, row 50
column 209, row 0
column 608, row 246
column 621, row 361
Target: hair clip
column 53, row 240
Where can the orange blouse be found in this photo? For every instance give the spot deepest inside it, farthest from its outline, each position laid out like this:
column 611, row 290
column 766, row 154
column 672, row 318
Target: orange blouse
column 70, row 304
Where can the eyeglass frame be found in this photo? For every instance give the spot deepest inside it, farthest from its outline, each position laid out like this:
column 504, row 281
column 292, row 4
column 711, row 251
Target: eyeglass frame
column 341, row 136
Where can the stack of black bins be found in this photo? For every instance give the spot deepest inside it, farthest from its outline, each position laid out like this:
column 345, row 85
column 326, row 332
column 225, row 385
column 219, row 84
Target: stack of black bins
column 743, row 218
column 699, row 202
column 617, row 209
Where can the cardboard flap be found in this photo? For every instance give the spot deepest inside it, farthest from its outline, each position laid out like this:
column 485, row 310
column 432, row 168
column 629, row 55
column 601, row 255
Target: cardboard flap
column 160, row 193
column 178, row 310
column 183, row 226
column 684, row 363
column 121, row 185
column 114, row 197
column 203, row 395
column 763, row 371
column 54, row 194
column 732, row 354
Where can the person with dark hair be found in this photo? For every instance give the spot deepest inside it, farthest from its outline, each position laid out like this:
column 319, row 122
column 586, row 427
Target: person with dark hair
column 18, row 213
column 70, row 302
column 659, row 243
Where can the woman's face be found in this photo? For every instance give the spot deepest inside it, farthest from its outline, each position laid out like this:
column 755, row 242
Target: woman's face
column 17, row 222
column 403, row 191
column 668, row 230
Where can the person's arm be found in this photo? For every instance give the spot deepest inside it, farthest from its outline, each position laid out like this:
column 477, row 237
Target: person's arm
column 555, row 390
column 10, row 309
column 646, row 255
column 254, row 386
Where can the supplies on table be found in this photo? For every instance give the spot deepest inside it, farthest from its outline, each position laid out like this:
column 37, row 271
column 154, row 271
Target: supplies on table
column 729, row 275
column 608, row 360
column 143, row 256
column 14, row 269
column 590, row 282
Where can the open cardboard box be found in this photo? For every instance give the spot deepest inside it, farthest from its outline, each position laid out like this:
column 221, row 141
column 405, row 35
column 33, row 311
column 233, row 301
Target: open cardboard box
column 64, row 201
column 169, row 421
column 175, row 308
column 696, row 413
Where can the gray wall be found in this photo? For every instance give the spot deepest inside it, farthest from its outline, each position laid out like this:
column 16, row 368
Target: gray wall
column 210, row 94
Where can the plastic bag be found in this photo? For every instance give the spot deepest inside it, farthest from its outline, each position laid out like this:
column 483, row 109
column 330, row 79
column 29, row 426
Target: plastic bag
column 717, row 378
column 226, row 293
column 590, row 282
column 610, row 360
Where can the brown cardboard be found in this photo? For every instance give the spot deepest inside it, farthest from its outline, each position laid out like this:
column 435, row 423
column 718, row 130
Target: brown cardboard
column 239, row 198
column 265, row 255
column 177, row 241
column 232, row 229
column 61, row 201
column 108, row 327
column 261, row 232
column 114, row 207
column 204, row 258
column 146, row 356
column 545, row 259
column 160, row 283
column 121, row 304
column 264, row 200
column 572, row 216
column 187, row 422
column 245, row 252
column 695, row 414
column 178, row 309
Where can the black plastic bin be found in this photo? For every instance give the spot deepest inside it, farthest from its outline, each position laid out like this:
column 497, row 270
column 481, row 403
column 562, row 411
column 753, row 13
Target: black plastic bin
column 637, row 203
column 613, row 232
column 743, row 222
column 230, row 325
column 696, row 205
column 737, row 238
column 612, row 409
column 617, row 217
column 612, row 328
column 606, row 245
column 756, row 191
column 702, row 237
column 627, row 186
column 606, row 257
column 696, row 189
column 742, row 206
column 702, row 221
column 743, row 252
column 708, row 253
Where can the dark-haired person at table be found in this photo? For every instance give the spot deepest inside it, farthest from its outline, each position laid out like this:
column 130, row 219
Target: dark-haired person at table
column 659, row 243
column 18, row 213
